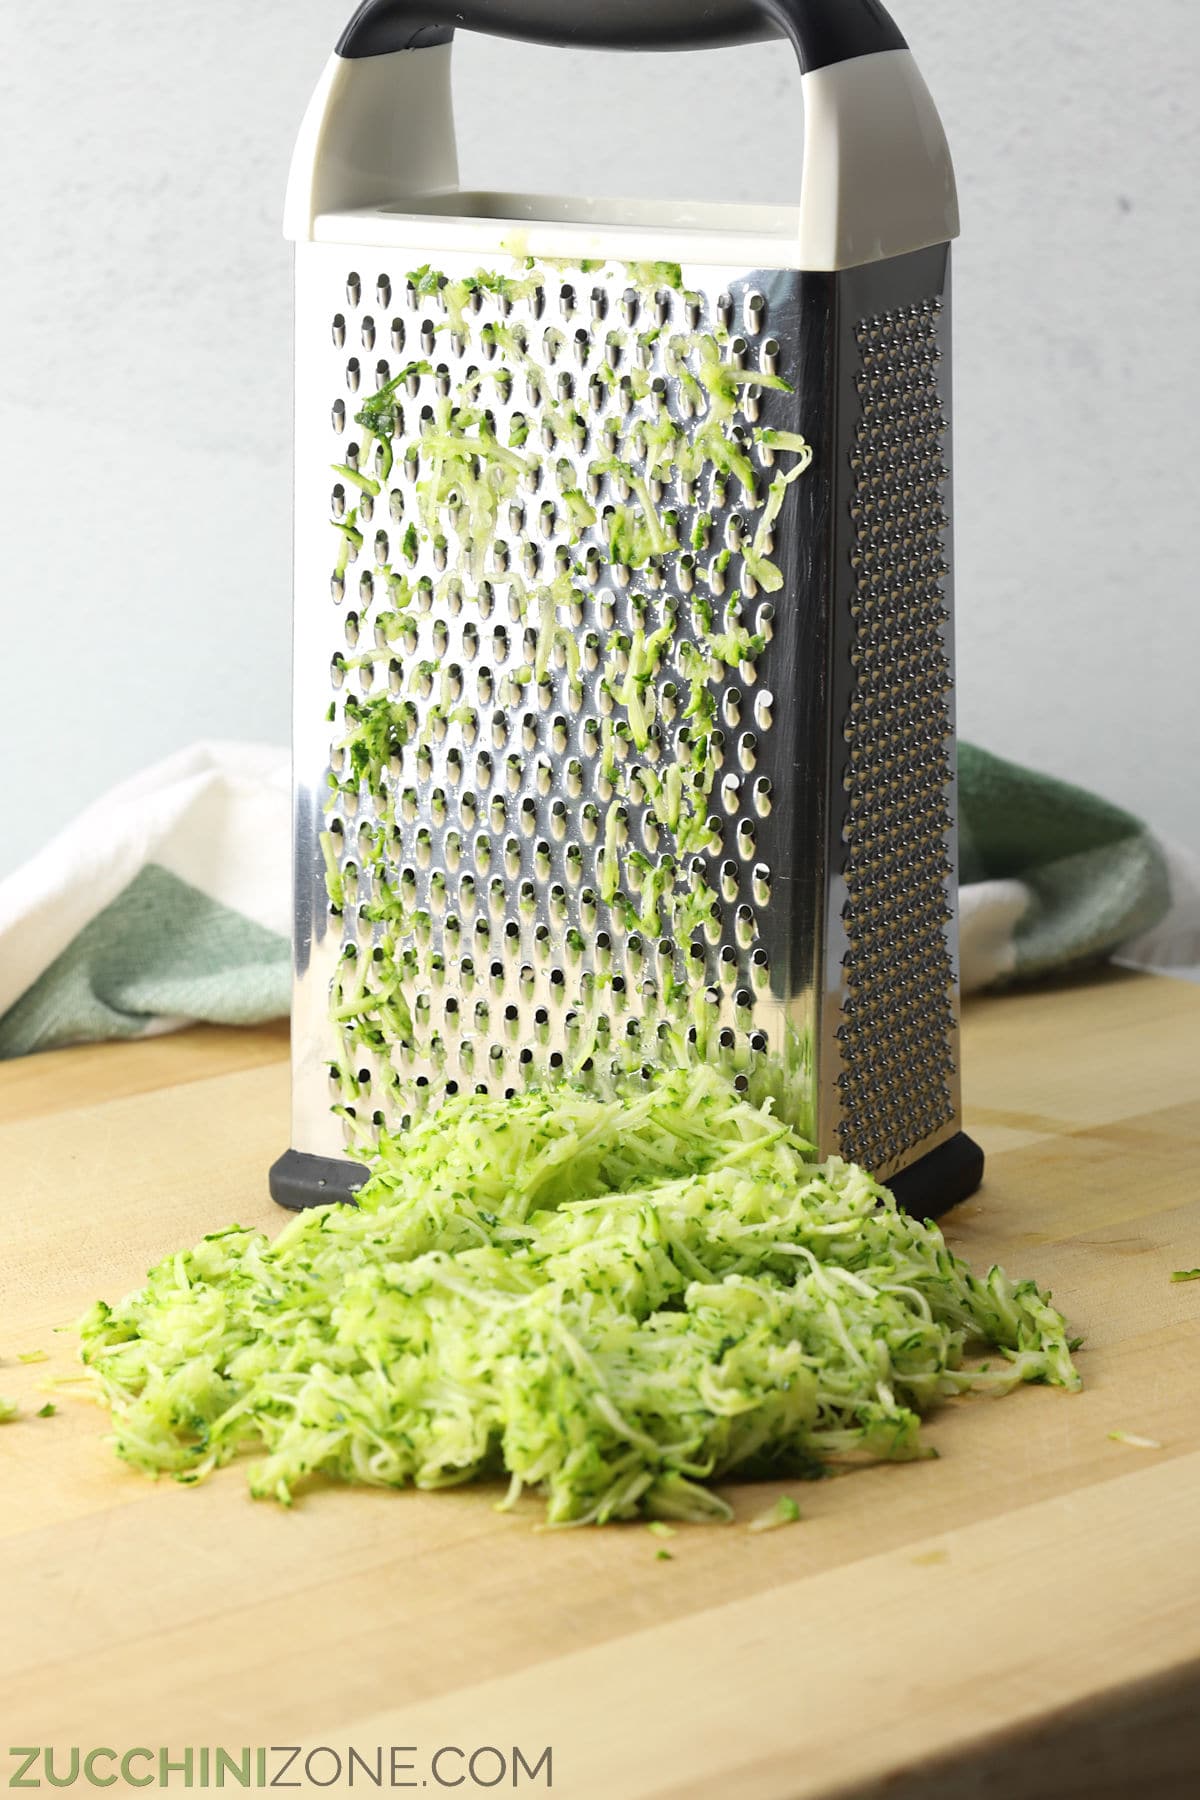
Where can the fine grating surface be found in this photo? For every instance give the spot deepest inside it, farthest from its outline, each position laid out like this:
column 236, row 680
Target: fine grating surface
column 519, row 755
column 898, row 1026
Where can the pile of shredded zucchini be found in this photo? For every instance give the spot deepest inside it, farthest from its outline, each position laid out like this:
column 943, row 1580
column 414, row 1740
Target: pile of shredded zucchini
column 610, row 1302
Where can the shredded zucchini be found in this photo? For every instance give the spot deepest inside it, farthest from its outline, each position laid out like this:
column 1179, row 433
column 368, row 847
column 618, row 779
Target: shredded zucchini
column 784, row 1512
column 610, row 1302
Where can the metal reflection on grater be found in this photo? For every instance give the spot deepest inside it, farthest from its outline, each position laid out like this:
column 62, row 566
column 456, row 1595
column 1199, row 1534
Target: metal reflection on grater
column 595, row 932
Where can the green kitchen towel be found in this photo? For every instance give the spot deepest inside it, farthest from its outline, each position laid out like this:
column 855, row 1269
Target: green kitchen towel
column 168, row 901
column 1052, row 877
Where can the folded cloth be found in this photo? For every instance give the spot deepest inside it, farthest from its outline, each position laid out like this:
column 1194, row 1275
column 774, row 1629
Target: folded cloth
column 168, row 901
column 1052, row 876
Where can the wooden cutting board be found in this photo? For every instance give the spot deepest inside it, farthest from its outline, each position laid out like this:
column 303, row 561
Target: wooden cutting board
column 1020, row 1617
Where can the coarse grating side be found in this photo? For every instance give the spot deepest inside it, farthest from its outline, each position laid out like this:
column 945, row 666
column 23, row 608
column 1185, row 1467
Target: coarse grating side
column 519, row 774
column 898, row 1031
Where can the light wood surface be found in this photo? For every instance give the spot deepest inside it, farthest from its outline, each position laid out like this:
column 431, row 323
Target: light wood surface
column 1019, row 1618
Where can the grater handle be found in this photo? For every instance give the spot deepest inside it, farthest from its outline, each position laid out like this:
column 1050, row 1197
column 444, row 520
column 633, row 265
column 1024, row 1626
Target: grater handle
column 823, row 32
column 876, row 179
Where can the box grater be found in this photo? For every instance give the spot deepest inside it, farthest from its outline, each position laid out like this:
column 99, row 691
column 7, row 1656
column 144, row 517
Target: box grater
column 623, row 659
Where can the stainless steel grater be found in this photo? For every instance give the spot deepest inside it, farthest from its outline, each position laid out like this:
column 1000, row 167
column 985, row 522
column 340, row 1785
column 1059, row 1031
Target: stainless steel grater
column 619, row 767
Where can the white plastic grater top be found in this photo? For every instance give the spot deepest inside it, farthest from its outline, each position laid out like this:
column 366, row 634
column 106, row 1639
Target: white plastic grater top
column 822, row 966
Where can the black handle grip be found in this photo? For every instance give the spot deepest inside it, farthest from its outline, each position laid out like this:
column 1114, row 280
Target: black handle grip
column 822, row 31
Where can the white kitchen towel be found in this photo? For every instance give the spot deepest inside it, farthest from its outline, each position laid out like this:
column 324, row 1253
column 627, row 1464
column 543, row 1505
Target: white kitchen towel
column 169, row 900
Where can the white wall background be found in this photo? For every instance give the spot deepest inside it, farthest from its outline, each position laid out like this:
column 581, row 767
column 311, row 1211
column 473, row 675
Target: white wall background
column 144, row 449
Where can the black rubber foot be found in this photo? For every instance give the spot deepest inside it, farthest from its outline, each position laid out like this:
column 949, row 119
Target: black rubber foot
column 942, row 1178
column 298, row 1180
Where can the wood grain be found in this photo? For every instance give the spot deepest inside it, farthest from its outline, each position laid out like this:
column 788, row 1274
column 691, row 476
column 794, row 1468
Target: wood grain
column 977, row 1625
column 63, row 1080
